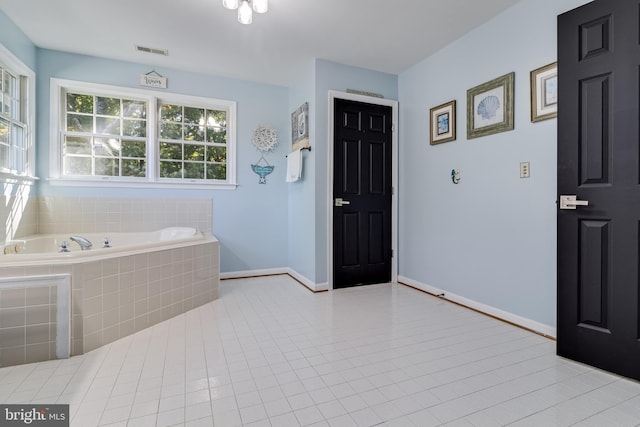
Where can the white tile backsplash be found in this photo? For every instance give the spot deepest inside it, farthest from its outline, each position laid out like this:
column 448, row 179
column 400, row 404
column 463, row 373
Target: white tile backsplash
column 82, row 214
column 19, row 213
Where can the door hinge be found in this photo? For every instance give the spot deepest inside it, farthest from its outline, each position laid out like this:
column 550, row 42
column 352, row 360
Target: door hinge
column 392, row 253
column 393, row 191
column 393, row 127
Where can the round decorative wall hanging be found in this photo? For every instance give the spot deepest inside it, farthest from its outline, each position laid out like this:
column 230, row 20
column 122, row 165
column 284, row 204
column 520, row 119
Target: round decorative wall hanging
column 265, row 140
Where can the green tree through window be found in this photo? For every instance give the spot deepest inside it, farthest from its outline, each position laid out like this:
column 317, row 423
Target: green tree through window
column 192, row 143
column 112, row 134
column 105, row 136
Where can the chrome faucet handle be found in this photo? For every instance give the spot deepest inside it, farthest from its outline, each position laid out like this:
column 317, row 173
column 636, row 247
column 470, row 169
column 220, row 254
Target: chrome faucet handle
column 64, row 246
column 106, row 243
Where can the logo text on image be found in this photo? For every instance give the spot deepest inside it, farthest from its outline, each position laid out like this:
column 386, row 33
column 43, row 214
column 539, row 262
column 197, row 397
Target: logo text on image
column 37, row 415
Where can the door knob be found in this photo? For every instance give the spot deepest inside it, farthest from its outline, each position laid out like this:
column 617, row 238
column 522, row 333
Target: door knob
column 571, row 202
column 339, row 202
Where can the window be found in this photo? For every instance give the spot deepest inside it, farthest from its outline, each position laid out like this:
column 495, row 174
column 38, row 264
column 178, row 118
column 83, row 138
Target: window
column 193, row 142
column 104, row 136
column 17, row 93
column 135, row 137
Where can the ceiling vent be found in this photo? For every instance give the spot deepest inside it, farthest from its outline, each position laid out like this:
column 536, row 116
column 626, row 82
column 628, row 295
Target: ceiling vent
column 164, row 52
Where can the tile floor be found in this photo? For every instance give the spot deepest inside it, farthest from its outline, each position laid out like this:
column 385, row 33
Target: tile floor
column 271, row 353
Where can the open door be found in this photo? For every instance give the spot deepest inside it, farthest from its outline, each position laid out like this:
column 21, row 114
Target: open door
column 599, row 185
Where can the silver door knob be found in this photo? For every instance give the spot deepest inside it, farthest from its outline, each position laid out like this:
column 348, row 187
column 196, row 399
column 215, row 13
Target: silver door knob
column 339, row 202
column 571, row 202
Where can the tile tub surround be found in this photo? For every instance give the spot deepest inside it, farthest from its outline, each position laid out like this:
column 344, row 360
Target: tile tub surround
column 124, row 295
column 88, row 215
column 28, row 324
column 115, row 297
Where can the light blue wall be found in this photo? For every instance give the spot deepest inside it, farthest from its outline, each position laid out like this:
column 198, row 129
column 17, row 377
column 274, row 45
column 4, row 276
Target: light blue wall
column 308, row 198
column 251, row 221
column 17, row 42
column 492, row 238
column 338, row 77
column 301, row 200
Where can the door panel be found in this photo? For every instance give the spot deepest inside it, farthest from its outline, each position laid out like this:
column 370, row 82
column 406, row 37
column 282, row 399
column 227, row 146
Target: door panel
column 377, row 123
column 350, row 243
column 376, row 238
column 595, row 37
column 598, row 160
column 595, row 119
column 594, row 278
column 351, row 180
column 362, row 177
column 377, row 166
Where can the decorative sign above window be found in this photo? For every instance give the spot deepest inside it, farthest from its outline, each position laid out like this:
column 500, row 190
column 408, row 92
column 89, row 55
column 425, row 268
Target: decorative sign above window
column 153, row 79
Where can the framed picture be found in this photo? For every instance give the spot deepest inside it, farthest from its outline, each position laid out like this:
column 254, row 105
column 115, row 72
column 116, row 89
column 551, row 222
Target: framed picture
column 300, row 127
column 544, row 92
column 490, row 107
column 442, row 124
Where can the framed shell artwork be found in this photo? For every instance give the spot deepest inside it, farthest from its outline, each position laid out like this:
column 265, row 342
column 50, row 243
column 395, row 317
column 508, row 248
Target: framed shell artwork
column 490, row 107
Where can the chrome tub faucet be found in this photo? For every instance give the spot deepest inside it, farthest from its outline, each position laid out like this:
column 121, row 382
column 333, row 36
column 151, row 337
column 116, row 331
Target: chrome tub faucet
column 84, row 243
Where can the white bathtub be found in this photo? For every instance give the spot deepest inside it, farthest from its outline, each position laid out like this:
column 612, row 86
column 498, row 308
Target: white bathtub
column 45, row 248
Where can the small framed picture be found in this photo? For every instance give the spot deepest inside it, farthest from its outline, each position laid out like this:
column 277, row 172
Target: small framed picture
column 544, row 92
column 300, row 127
column 490, row 107
column 442, row 123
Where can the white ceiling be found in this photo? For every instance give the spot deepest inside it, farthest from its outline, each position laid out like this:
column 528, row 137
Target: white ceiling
column 202, row 36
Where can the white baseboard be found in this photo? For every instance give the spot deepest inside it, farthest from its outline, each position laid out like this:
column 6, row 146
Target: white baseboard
column 254, row 273
column 315, row 287
column 540, row 328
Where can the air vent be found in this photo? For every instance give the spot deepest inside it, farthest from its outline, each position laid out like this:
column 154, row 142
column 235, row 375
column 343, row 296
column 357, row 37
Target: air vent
column 164, row 52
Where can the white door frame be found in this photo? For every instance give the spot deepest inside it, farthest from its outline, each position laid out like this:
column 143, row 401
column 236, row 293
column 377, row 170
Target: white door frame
column 333, row 95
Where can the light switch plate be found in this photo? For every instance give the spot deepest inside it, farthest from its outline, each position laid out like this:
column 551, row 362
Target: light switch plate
column 525, row 170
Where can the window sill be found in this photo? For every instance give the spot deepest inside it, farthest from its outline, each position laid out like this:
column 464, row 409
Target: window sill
column 113, row 183
column 11, row 178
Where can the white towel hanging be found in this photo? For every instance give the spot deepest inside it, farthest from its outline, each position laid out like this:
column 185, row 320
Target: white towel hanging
column 294, row 166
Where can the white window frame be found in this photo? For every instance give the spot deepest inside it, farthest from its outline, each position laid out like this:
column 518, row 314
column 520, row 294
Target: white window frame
column 154, row 99
column 28, row 107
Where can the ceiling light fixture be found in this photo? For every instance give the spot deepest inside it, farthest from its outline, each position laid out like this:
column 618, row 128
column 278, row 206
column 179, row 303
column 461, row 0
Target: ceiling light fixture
column 246, row 8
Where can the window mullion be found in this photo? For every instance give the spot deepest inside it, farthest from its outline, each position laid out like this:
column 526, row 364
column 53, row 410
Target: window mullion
column 152, row 140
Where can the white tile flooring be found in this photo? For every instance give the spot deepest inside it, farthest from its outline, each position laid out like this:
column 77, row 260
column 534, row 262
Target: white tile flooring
column 271, row 353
